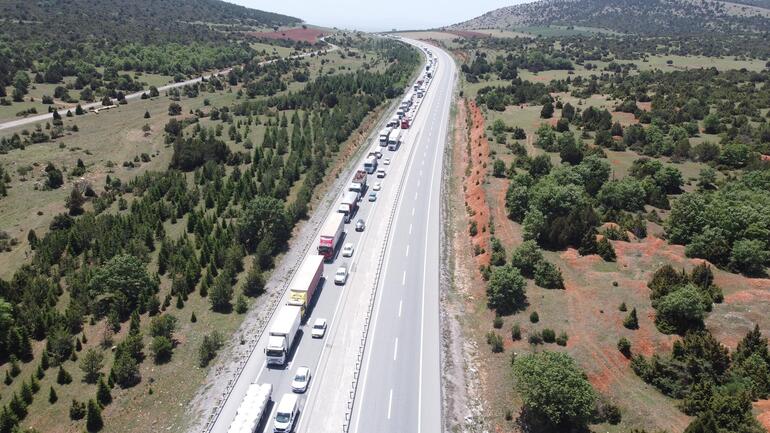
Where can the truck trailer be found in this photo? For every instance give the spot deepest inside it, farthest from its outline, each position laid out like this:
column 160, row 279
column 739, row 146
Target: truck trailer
column 252, row 409
column 394, row 139
column 305, row 282
column 384, row 136
column 330, row 234
column 348, row 205
column 283, row 331
column 358, row 184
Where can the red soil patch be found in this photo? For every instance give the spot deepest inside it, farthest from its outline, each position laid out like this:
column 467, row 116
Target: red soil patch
column 468, row 34
column 508, row 233
column 477, row 159
column 299, row 34
column 763, row 407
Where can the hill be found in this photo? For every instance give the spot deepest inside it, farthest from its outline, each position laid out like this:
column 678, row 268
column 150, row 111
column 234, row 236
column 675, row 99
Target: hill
column 139, row 21
column 645, row 17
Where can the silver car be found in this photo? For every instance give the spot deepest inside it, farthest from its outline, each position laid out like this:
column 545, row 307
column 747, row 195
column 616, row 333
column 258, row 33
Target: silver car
column 341, row 276
column 301, row 380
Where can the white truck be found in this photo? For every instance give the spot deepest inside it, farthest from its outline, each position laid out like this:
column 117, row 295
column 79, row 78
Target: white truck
column 252, row 409
column 394, row 139
column 348, row 205
column 282, row 334
column 305, row 283
column 384, row 136
column 358, row 184
column 370, row 164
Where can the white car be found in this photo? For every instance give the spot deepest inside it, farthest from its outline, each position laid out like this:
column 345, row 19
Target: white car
column 380, row 173
column 377, row 186
column 301, row 380
column 341, row 276
column 347, row 250
column 319, row 328
column 387, row 161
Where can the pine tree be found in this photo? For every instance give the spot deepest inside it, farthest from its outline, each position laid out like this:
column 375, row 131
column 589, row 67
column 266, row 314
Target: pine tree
column 26, row 393
column 34, row 384
column 193, row 319
column 605, row 249
column 7, row 420
column 62, row 377
column 78, row 345
column 103, row 395
column 15, row 369
column 52, row 397
column 631, row 321
column 17, row 406
column 135, row 323
column 94, row 421
column 44, row 361
column 240, row 304
column 8, row 379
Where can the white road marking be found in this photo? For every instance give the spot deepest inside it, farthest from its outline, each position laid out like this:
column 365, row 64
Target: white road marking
column 395, row 349
column 410, row 229
column 412, row 211
column 400, row 304
column 390, row 402
column 403, row 279
column 407, row 250
column 415, row 195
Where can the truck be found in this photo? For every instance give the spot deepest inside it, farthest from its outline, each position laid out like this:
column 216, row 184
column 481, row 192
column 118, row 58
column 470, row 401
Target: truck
column 283, row 331
column 349, row 205
column 305, row 282
column 358, row 184
column 370, row 164
column 394, row 139
column 384, row 136
column 393, row 122
column 405, row 123
column 330, row 234
column 252, row 409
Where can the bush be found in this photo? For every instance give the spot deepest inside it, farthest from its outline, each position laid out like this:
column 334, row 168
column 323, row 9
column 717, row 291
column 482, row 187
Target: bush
column 548, row 276
column 495, row 341
column 624, row 347
column 506, row 290
column 548, row 335
column 77, row 410
column 498, row 322
column 208, row 349
column 515, row 332
column 162, row 349
column 561, row 340
column 534, row 317
column 535, row 338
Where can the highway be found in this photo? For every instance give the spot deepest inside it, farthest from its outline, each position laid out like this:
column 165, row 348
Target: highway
column 138, row 95
column 394, row 273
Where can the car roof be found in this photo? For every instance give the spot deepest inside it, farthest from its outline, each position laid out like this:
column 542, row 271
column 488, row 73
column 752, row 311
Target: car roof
column 320, row 321
column 303, row 370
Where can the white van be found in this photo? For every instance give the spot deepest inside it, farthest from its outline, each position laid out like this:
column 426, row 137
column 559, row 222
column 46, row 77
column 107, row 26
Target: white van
column 286, row 414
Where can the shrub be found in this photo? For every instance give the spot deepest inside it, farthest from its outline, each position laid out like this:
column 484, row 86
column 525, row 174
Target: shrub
column 534, row 317
column 605, row 250
column 548, row 276
column 515, row 332
column 498, row 322
column 495, row 341
column 624, row 347
column 549, row 336
column 561, row 340
column 623, row 307
column 535, row 338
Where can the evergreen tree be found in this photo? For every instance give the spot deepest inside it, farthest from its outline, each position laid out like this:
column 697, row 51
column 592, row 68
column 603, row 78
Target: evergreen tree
column 631, row 321
column 94, row 421
column 44, row 361
column 63, row 377
column 18, row 407
column 77, row 410
column 26, row 393
column 193, row 319
column 605, row 249
column 103, row 395
column 52, row 397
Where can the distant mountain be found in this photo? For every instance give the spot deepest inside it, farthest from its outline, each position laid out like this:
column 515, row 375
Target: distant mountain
column 646, row 17
column 134, row 20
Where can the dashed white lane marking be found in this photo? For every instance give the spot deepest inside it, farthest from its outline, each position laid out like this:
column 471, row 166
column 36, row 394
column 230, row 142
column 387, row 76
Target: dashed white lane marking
column 403, row 279
column 390, row 402
column 407, row 250
column 395, row 349
column 410, row 229
column 412, row 211
column 400, row 304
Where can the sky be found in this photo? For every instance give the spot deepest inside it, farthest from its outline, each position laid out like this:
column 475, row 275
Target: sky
column 369, row 15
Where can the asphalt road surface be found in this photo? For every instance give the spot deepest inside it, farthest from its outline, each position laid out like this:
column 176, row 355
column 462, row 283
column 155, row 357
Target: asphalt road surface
column 399, row 386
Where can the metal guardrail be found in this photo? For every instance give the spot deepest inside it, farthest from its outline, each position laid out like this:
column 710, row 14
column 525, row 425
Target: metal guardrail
column 378, row 273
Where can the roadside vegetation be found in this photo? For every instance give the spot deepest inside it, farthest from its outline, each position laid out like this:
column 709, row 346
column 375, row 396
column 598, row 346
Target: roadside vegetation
column 615, row 205
column 118, row 304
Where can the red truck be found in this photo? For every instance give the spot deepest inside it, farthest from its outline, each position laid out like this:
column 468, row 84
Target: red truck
column 330, row 234
column 405, row 123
